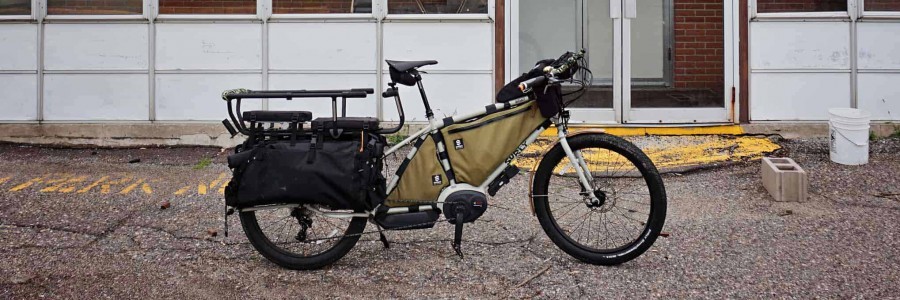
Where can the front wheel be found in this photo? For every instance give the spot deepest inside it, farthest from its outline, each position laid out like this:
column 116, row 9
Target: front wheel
column 625, row 214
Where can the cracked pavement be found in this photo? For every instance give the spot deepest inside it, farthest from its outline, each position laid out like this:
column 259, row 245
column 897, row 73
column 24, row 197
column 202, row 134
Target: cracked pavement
column 727, row 238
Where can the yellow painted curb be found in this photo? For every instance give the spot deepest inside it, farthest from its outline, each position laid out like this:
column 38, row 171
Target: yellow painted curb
column 636, row 131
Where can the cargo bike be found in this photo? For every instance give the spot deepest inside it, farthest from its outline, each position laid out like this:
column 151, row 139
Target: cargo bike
column 305, row 188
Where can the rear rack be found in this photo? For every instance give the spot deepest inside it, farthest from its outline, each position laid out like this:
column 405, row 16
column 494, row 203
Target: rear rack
column 236, row 115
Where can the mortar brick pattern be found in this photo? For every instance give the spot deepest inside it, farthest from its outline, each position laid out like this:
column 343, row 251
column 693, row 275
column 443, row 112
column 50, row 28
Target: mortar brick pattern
column 776, row 6
column 883, row 5
column 15, row 7
column 437, row 6
column 699, row 44
column 203, row 7
column 95, row 7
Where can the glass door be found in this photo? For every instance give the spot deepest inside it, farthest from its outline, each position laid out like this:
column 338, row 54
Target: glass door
column 673, row 74
column 548, row 28
column 646, row 70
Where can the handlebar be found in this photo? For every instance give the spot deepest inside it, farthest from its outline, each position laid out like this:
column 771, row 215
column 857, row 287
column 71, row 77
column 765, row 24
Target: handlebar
column 550, row 72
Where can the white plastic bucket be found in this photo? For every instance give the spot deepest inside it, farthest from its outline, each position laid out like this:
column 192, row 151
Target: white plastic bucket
column 848, row 130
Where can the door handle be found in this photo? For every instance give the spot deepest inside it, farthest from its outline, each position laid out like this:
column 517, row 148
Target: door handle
column 630, row 9
column 615, row 9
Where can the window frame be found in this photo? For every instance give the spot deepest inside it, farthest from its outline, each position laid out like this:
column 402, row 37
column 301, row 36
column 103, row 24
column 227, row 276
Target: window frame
column 144, row 15
column 818, row 15
column 489, row 15
column 263, row 10
column 32, row 16
column 876, row 14
column 320, row 16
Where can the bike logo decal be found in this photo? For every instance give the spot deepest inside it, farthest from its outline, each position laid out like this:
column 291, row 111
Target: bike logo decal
column 458, row 144
column 518, row 150
column 437, row 180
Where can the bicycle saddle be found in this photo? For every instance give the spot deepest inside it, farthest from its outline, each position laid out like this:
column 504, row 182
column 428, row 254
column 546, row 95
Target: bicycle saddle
column 403, row 66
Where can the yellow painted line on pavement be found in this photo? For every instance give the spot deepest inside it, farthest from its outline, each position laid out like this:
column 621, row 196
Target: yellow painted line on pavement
column 146, row 189
column 131, row 187
column 93, row 185
column 201, row 188
column 60, row 182
column 107, row 186
column 5, row 179
column 181, row 191
column 71, row 184
column 218, row 180
column 222, row 188
column 677, row 152
column 26, row 184
column 638, row 131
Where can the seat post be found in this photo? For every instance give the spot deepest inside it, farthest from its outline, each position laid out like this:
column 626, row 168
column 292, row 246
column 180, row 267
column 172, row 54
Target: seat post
column 428, row 113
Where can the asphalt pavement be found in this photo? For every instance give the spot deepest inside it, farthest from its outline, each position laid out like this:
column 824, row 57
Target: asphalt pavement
column 88, row 223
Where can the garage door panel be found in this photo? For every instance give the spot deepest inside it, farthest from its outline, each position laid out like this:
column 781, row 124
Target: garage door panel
column 879, row 45
column 71, row 97
column 456, row 46
column 797, row 96
column 199, row 96
column 880, row 94
column 800, row 45
column 18, row 47
column 209, row 47
column 19, row 101
column 448, row 95
column 96, row 47
column 322, row 46
column 321, row 107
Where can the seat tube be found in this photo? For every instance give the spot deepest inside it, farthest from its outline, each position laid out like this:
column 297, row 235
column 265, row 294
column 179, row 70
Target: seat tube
column 428, row 113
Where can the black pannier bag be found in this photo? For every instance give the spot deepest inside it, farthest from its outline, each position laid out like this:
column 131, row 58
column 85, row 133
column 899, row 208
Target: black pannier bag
column 339, row 173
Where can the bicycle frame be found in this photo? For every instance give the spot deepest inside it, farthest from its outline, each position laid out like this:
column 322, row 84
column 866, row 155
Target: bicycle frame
column 435, row 126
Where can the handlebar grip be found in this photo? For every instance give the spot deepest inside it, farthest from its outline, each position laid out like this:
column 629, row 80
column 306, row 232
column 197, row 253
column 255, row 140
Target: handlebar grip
column 530, row 83
column 390, row 93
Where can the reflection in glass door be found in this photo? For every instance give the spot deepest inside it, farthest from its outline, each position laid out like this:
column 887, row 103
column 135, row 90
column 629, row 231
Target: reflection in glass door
column 652, row 61
column 674, row 74
column 548, row 28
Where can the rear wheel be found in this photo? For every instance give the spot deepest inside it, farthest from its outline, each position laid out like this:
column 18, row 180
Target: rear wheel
column 628, row 209
column 297, row 238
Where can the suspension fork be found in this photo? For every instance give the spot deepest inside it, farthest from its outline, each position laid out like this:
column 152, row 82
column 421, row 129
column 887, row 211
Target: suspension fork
column 576, row 161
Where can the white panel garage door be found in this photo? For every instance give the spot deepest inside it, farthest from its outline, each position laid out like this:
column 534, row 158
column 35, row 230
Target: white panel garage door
column 462, row 79
column 18, row 72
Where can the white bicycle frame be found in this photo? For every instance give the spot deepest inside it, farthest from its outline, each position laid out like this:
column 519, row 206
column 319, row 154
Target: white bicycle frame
column 434, row 126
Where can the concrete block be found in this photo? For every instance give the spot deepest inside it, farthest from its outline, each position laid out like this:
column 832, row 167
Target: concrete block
column 784, row 179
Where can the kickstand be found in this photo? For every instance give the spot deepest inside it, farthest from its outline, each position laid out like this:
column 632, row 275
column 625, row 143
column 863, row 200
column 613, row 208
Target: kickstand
column 457, row 235
column 228, row 212
column 383, row 238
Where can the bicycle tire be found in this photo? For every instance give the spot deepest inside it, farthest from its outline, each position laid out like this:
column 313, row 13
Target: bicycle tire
column 656, row 193
column 287, row 259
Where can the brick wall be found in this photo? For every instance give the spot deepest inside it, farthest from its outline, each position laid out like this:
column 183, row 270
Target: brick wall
column 699, row 44
column 207, row 7
column 321, row 6
column 765, row 6
column 94, row 7
column 883, row 5
column 437, row 6
column 15, row 7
